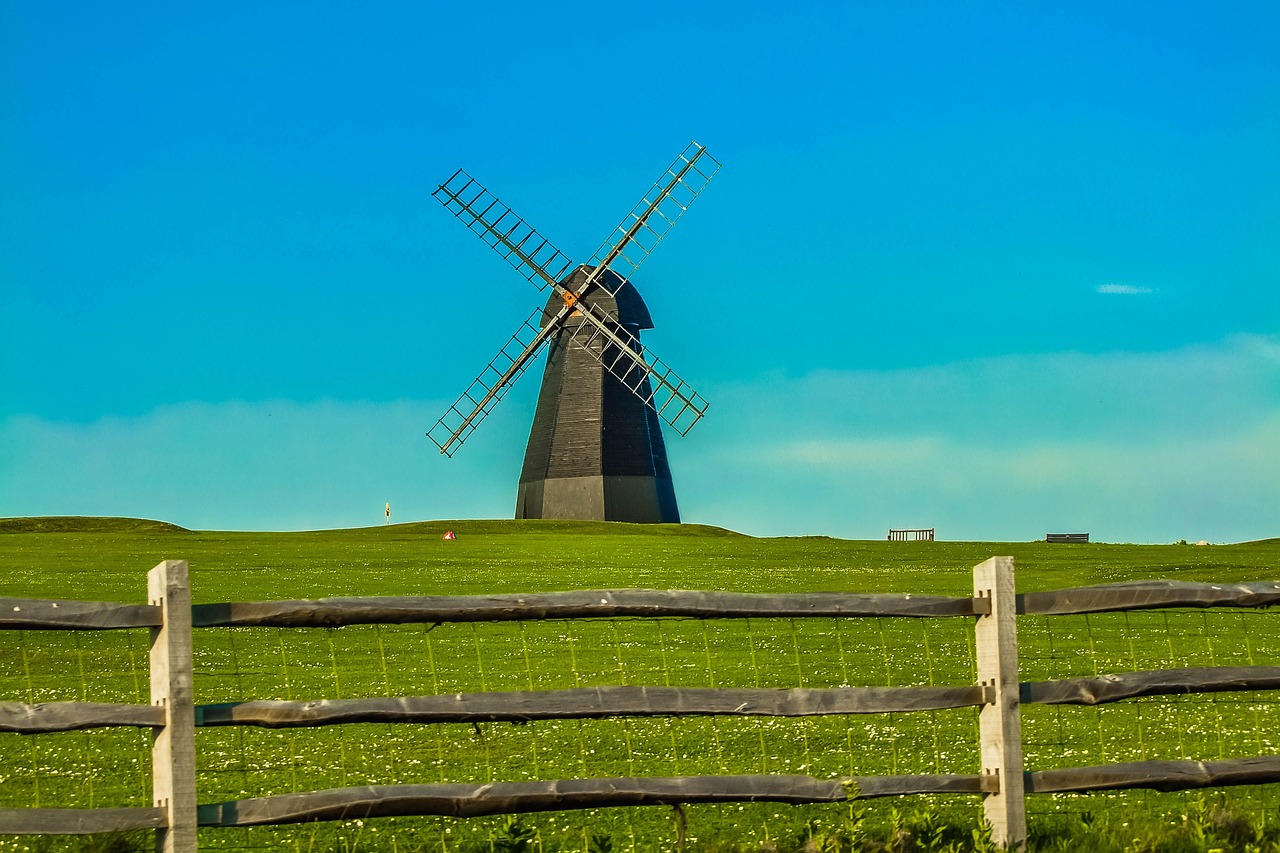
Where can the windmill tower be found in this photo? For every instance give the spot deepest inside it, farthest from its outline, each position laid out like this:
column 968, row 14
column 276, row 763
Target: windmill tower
column 595, row 449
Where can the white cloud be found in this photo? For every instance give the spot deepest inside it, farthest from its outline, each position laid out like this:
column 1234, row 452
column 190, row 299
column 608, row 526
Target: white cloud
column 1125, row 488
column 1126, row 289
column 1128, row 446
column 1015, row 400
column 273, row 465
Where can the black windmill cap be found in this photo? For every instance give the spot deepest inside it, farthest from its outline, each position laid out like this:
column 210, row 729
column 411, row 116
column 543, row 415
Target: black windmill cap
column 625, row 304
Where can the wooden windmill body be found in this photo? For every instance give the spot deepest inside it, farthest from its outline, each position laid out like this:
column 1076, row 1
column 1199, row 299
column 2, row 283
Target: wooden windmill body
column 596, row 449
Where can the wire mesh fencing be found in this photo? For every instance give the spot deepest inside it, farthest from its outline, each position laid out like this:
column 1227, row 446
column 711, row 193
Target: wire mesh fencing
column 109, row 767
column 1189, row 726
column 94, row 768
column 1221, row 657
column 468, row 658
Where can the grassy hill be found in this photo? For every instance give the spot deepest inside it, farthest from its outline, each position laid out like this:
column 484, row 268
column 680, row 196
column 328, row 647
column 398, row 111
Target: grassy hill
column 107, row 559
column 86, row 524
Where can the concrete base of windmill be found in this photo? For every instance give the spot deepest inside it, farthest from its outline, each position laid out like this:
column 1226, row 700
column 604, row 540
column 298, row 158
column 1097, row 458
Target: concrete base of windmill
column 640, row 500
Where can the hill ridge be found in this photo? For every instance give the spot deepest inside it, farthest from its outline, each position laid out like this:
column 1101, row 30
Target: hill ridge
column 118, row 524
column 86, row 524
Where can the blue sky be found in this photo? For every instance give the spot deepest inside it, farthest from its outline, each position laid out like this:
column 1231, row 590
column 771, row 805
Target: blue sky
column 995, row 268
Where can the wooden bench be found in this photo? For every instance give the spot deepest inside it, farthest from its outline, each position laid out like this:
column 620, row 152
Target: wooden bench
column 1077, row 538
column 911, row 535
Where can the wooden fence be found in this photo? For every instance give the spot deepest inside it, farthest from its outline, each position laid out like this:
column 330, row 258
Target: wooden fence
column 1003, row 782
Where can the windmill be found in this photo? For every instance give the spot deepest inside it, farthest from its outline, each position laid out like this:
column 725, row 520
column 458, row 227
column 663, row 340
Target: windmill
column 595, row 449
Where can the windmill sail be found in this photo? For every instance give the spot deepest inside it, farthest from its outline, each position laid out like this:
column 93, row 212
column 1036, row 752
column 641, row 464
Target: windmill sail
column 488, row 388
column 607, row 341
column 503, row 230
column 653, row 216
column 642, row 372
column 619, row 351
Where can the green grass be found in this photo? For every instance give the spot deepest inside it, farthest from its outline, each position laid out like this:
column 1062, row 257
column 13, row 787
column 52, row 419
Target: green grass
column 107, row 559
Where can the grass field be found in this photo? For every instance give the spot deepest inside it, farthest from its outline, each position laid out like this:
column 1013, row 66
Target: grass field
column 108, row 560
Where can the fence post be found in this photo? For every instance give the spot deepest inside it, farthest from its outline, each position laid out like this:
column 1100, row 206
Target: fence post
column 1000, row 722
column 173, row 748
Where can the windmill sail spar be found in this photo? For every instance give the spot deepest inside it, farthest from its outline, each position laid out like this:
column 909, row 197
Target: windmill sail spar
column 538, row 261
column 644, row 374
column 487, row 389
column 506, row 233
column 653, row 216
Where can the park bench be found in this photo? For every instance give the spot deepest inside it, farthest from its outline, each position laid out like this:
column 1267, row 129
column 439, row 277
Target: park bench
column 911, row 535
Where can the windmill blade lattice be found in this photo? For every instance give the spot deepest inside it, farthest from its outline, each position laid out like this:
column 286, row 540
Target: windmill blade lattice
column 503, row 230
column 488, row 388
column 653, row 216
column 620, row 352
column 644, row 374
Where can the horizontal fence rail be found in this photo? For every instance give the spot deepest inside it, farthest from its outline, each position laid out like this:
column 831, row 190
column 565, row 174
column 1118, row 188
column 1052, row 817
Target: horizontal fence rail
column 1148, row 595
column 80, row 821
column 998, row 695
column 515, row 706
column 1157, row 775
column 36, row 613
column 584, row 604
column 525, row 797
column 46, row 717
column 592, row 702
column 1101, row 689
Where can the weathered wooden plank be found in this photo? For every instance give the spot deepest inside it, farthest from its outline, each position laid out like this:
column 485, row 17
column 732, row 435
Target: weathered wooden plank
column 460, row 800
column 869, row 787
column 578, row 604
column 47, row 614
column 1098, row 690
column 45, row 717
column 1147, row 595
column 1157, row 775
column 1000, row 722
column 78, row 821
column 590, row 702
column 173, row 745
